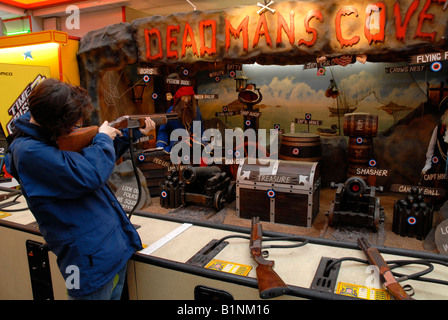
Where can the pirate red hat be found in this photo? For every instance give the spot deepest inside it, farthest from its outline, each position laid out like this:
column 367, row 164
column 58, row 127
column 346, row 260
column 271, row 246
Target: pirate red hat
column 183, row 91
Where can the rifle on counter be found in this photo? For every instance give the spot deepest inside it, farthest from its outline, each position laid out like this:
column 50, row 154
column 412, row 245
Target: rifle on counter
column 270, row 285
column 387, row 278
column 82, row 137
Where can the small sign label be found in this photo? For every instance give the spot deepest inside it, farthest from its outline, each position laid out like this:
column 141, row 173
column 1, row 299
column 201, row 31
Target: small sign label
column 150, row 71
column 127, row 195
column 206, row 96
column 229, row 267
column 306, row 121
column 178, row 82
column 426, row 191
column 357, row 291
column 250, row 113
column 442, row 237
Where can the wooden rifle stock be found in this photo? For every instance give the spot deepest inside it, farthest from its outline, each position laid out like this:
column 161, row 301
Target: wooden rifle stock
column 387, row 278
column 270, row 284
column 82, row 137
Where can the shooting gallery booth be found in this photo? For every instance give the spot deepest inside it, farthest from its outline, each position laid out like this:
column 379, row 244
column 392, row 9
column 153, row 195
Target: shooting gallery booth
column 328, row 149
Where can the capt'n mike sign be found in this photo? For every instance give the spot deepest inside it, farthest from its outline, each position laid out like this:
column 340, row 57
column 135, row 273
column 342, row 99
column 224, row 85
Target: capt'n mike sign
column 293, row 30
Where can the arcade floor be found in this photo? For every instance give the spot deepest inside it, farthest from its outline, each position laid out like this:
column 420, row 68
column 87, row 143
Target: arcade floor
column 319, row 228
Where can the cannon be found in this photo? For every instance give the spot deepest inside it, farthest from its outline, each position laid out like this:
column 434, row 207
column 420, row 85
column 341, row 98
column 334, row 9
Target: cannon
column 206, row 186
column 355, row 204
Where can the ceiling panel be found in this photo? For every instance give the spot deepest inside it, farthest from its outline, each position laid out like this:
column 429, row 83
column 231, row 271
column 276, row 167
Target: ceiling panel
column 149, row 7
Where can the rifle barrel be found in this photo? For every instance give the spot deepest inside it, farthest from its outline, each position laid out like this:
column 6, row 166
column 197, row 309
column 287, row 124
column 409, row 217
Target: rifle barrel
column 270, row 284
column 375, row 258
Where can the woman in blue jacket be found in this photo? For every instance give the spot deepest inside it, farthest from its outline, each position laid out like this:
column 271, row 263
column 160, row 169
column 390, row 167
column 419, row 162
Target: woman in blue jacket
column 67, row 192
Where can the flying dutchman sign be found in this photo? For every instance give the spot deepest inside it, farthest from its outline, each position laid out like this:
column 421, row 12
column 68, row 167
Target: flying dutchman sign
column 292, row 30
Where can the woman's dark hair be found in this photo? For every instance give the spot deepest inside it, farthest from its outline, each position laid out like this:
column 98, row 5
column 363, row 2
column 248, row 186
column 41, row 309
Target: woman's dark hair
column 57, row 106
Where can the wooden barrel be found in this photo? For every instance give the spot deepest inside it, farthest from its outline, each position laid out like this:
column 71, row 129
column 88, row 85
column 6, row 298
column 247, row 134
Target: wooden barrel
column 301, row 146
column 360, row 125
column 360, row 150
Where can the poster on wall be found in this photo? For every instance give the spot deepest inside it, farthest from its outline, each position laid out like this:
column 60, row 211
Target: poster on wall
column 16, row 83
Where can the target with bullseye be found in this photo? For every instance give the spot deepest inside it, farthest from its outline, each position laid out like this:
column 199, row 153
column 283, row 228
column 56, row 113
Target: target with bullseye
column 412, row 220
column 271, row 193
column 296, row 151
column 146, row 78
column 248, row 123
column 154, row 96
column 164, row 194
column 359, row 140
column 372, row 162
column 435, row 160
column 141, row 157
column 436, row 66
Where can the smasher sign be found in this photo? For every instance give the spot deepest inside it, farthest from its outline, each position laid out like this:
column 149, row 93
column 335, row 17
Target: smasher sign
column 293, row 27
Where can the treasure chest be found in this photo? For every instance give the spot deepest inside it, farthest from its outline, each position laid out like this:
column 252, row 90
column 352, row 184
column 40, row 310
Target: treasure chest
column 278, row 191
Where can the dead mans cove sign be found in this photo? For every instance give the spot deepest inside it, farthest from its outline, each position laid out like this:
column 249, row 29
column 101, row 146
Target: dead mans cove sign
column 293, row 31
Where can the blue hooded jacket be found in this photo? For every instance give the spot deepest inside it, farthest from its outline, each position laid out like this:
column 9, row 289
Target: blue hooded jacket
column 78, row 214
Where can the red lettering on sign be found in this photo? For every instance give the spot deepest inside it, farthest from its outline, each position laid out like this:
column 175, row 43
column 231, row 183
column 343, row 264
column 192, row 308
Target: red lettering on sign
column 311, row 14
column 421, row 18
column 207, row 24
column 243, row 27
column 281, row 25
column 345, row 11
column 400, row 28
column 148, row 34
column 262, row 29
column 188, row 32
column 171, row 54
column 203, row 42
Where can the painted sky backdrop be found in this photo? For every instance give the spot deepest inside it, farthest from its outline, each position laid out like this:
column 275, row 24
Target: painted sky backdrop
column 290, row 92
